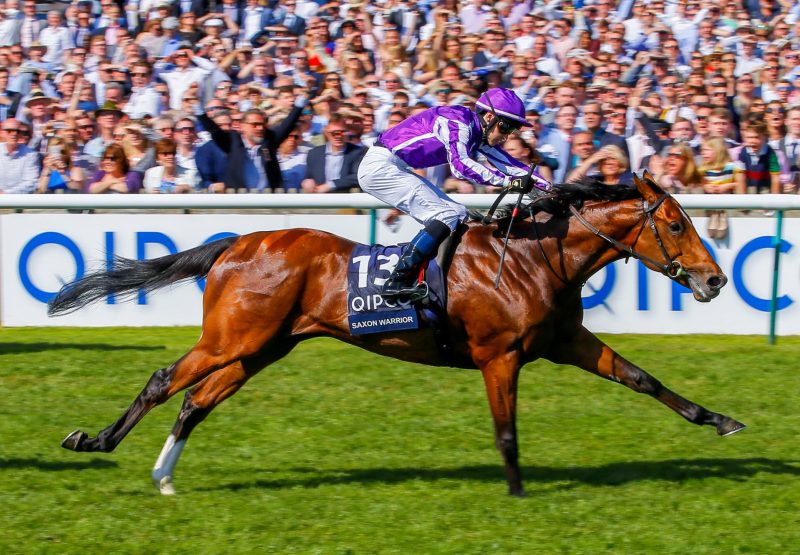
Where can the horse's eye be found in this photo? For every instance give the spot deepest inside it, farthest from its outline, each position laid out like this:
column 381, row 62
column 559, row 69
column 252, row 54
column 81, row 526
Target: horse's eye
column 675, row 227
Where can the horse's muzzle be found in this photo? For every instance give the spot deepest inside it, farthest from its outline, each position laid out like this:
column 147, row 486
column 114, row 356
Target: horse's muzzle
column 705, row 290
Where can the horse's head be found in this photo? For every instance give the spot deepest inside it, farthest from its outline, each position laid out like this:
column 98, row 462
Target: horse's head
column 669, row 236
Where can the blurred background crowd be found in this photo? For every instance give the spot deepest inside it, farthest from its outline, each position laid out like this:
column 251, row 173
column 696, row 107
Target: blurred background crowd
column 177, row 96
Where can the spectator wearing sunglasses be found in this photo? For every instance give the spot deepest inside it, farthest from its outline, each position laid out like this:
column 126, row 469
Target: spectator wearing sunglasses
column 253, row 153
column 114, row 174
column 20, row 164
column 144, row 99
column 332, row 167
column 188, row 69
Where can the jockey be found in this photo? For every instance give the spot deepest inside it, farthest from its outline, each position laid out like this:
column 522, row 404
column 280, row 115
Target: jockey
column 452, row 135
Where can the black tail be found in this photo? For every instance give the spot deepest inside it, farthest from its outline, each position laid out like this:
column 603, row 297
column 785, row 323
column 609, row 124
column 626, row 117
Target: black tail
column 130, row 276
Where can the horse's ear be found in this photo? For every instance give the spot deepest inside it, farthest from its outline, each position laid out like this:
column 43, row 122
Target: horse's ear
column 648, row 187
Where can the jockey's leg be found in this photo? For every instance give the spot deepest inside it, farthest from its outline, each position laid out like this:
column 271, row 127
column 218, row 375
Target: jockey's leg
column 387, row 177
column 425, row 245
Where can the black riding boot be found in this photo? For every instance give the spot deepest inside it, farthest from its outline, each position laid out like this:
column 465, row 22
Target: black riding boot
column 403, row 281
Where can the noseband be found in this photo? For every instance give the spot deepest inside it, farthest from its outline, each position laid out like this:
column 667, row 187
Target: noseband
column 672, row 268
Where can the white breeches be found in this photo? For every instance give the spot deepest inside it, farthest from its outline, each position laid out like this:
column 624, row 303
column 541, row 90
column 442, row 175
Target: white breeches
column 388, row 178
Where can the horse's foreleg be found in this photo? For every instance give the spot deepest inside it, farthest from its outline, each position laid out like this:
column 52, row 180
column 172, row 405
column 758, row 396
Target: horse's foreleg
column 500, row 378
column 586, row 351
column 197, row 405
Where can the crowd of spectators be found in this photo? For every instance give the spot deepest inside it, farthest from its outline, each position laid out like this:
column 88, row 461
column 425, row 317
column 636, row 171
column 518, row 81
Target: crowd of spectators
column 177, row 96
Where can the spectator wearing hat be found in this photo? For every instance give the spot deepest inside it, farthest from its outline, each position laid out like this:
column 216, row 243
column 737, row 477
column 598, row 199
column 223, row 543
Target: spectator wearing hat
column 218, row 27
column 58, row 40
column 19, row 162
column 107, row 118
column 172, row 37
column 36, row 113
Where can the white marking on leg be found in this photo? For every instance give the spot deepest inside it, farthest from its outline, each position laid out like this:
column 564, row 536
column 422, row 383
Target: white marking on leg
column 165, row 465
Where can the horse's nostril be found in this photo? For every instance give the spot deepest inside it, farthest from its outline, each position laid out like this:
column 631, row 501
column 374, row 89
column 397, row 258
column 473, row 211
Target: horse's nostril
column 717, row 282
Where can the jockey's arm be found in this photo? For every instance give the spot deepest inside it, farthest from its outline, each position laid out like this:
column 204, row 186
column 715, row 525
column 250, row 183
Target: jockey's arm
column 509, row 165
column 455, row 136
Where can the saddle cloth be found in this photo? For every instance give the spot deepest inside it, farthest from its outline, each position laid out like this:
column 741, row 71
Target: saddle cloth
column 368, row 312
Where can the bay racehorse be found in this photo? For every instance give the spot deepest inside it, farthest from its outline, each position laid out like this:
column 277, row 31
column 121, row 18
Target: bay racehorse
column 268, row 291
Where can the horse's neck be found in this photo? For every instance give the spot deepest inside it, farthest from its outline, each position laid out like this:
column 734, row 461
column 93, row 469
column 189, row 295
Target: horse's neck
column 582, row 253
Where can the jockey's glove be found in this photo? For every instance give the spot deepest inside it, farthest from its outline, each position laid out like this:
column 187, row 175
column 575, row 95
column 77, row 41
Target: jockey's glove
column 516, row 185
column 525, row 184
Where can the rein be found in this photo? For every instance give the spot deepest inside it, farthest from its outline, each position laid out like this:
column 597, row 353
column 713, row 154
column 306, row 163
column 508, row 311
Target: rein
column 672, row 269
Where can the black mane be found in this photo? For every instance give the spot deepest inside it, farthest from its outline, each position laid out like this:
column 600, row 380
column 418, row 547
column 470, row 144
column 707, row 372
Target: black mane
column 565, row 195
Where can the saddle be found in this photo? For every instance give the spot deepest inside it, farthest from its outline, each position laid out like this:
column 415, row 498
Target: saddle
column 369, row 312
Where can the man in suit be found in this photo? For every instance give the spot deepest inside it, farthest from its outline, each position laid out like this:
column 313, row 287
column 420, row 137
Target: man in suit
column 31, row 25
column 9, row 100
column 593, row 122
column 284, row 14
column 333, row 166
column 557, row 141
column 253, row 154
column 199, row 7
column 212, row 162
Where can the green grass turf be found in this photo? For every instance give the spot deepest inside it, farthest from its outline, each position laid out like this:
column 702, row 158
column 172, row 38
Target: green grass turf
column 334, row 450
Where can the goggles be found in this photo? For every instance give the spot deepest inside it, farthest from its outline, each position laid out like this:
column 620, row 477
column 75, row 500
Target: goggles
column 507, row 127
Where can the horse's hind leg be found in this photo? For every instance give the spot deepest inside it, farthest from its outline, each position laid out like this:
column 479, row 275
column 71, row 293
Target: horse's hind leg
column 586, row 351
column 197, row 404
column 200, row 401
column 212, row 352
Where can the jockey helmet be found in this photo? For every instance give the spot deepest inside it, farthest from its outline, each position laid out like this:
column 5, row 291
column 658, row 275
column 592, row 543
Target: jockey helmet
column 504, row 104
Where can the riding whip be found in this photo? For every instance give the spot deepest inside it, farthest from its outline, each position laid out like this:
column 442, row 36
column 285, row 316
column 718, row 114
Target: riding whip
column 525, row 189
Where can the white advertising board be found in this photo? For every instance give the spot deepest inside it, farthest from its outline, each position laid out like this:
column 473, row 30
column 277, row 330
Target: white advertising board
column 41, row 252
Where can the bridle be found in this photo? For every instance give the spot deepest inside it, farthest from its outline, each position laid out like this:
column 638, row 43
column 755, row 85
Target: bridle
column 672, row 268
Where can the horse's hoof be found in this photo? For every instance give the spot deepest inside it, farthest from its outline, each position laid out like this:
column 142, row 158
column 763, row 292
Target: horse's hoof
column 74, row 440
column 729, row 426
column 165, row 486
